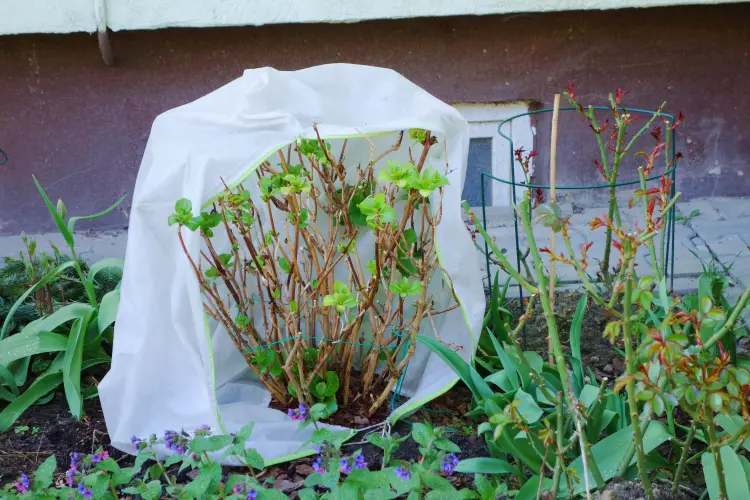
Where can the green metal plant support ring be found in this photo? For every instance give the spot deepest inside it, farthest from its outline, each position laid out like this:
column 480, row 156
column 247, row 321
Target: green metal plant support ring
column 668, row 264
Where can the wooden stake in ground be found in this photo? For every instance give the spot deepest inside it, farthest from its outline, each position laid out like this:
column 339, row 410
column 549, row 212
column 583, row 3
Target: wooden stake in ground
column 553, row 199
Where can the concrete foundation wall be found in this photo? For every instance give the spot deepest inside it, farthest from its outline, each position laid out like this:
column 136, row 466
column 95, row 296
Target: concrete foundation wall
column 81, row 126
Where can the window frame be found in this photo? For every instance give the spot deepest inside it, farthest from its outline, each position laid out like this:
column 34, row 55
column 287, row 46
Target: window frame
column 484, row 119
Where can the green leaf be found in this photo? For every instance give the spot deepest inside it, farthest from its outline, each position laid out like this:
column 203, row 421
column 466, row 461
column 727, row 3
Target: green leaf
column 66, row 233
column 436, row 482
column 529, row 490
column 332, row 384
column 254, row 459
column 405, row 287
column 43, row 281
column 72, row 367
column 102, row 264
column 466, row 372
column 575, row 340
column 610, row 451
column 245, row 432
column 421, row 434
column 527, row 407
column 446, row 445
column 485, row 465
column 25, row 344
column 588, row 395
column 44, row 474
column 715, row 401
column 40, row 387
column 284, row 264
column 108, row 309
column 731, row 424
column 733, row 471
column 201, row 444
column 72, row 221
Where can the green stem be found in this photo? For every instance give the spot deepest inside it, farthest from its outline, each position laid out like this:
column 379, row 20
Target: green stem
column 733, row 317
column 507, row 267
column 585, row 279
column 562, row 368
column 716, row 450
column 559, row 464
column 683, row 459
column 600, row 141
column 90, row 292
column 631, row 370
column 650, row 244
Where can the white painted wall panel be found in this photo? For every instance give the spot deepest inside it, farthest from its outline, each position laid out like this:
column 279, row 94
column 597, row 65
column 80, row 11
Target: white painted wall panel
column 63, row 16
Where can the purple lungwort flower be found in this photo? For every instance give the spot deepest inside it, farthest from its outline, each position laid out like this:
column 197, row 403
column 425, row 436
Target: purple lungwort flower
column 402, row 473
column 252, row 494
column 75, row 460
column 299, row 413
column 98, row 457
column 450, row 462
column 70, row 476
column 346, row 468
column 175, row 442
column 359, row 462
column 22, row 485
column 84, row 491
column 238, row 488
column 317, row 466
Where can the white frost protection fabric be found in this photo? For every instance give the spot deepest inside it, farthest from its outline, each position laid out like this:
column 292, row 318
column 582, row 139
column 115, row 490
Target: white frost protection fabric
column 172, row 368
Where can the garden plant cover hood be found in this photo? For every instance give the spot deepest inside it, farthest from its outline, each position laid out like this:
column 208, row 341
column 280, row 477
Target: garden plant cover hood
column 172, row 367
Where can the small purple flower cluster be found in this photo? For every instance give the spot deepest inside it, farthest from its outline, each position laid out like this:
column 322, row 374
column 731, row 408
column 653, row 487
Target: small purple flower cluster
column 298, row 414
column 402, row 473
column 84, row 491
column 317, row 466
column 22, row 485
column 203, row 430
column 240, row 489
column 346, row 468
column 98, row 457
column 175, row 441
column 449, row 464
column 75, row 464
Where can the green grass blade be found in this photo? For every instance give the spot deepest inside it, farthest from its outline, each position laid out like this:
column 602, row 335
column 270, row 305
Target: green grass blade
column 45, row 279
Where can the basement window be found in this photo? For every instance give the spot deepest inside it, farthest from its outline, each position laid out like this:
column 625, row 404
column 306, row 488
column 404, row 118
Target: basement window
column 490, row 153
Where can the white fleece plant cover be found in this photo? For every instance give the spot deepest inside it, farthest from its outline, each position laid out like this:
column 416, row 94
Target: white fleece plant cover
column 174, row 369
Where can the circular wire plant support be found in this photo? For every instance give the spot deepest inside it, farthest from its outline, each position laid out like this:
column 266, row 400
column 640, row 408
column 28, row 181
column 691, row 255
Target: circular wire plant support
column 669, row 227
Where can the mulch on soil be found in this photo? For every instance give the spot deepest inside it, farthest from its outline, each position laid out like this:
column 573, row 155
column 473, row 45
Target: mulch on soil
column 596, row 351
column 58, row 434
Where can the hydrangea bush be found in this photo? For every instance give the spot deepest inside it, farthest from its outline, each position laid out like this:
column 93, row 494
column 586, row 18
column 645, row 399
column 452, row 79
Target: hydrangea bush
column 327, row 267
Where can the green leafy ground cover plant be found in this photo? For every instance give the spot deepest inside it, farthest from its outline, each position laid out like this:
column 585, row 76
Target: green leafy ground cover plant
column 339, row 471
column 310, row 214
